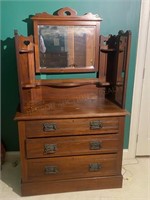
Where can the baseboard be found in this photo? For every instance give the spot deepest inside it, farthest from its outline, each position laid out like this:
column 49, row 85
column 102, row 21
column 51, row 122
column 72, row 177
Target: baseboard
column 11, row 156
column 125, row 154
column 127, row 159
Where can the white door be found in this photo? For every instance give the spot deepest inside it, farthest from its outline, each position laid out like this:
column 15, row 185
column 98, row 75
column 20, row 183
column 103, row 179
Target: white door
column 143, row 139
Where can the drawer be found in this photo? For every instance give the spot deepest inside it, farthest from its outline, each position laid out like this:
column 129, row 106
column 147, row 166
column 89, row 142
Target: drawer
column 71, row 167
column 77, row 145
column 47, row 128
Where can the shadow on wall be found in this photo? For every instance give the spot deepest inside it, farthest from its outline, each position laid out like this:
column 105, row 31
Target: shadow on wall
column 29, row 24
column 10, row 90
column 10, row 97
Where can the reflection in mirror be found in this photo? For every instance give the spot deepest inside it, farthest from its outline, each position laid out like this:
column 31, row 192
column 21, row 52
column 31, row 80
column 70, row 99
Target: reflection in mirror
column 66, row 46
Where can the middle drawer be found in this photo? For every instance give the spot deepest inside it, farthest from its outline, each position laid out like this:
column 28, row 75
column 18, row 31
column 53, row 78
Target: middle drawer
column 75, row 145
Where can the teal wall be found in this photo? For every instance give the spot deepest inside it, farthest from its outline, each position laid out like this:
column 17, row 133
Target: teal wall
column 117, row 15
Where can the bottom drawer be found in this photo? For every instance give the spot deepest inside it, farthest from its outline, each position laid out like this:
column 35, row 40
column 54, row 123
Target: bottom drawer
column 72, row 167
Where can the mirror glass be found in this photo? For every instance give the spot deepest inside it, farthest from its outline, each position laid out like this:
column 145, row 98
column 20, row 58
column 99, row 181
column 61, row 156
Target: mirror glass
column 66, row 46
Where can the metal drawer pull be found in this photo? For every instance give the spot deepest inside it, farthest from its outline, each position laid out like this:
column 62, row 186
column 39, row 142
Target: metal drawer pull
column 50, row 148
column 95, row 145
column 51, row 170
column 49, row 127
column 96, row 125
column 94, row 167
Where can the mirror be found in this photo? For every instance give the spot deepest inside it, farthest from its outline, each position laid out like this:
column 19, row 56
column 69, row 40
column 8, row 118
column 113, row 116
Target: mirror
column 65, row 42
column 66, row 46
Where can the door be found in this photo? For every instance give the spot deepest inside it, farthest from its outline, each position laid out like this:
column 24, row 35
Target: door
column 143, row 139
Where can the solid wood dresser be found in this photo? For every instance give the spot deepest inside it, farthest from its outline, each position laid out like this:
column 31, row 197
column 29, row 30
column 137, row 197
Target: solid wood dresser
column 71, row 151
column 71, row 130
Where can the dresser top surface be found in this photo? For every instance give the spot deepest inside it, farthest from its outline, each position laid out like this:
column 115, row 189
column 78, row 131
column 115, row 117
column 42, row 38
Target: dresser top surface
column 92, row 107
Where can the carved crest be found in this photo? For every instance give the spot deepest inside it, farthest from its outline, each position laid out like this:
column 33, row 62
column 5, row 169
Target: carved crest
column 66, row 13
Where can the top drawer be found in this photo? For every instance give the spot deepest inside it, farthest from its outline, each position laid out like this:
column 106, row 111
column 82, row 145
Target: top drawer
column 47, row 128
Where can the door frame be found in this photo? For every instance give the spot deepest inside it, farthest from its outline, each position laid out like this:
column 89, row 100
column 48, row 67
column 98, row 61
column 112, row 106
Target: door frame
column 138, row 80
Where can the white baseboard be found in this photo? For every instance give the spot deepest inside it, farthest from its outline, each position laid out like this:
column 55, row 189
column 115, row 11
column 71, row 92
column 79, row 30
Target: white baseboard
column 11, row 156
column 125, row 154
column 127, row 159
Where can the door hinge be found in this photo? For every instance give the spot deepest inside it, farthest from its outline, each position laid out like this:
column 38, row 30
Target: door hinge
column 143, row 72
column 137, row 137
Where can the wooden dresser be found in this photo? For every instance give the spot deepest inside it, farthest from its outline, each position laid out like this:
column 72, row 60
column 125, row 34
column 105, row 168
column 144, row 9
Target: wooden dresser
column 71, row 130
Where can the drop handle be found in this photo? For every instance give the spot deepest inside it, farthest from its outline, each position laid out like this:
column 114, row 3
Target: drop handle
column 96, row 125
column 94, row 167
column 50, row 148
column 95, row 145
column 49, row 127
column 51, row 170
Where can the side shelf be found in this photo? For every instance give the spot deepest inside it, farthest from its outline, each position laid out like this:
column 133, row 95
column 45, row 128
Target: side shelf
column 25, row 66
column 114, row 62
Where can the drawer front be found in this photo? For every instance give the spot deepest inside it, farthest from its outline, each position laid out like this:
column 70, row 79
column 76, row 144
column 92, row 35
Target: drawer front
column 71, row 167
column 77, row 145
column 47, row 128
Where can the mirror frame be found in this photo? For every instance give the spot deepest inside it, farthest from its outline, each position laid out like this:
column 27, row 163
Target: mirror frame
column 66, row 17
